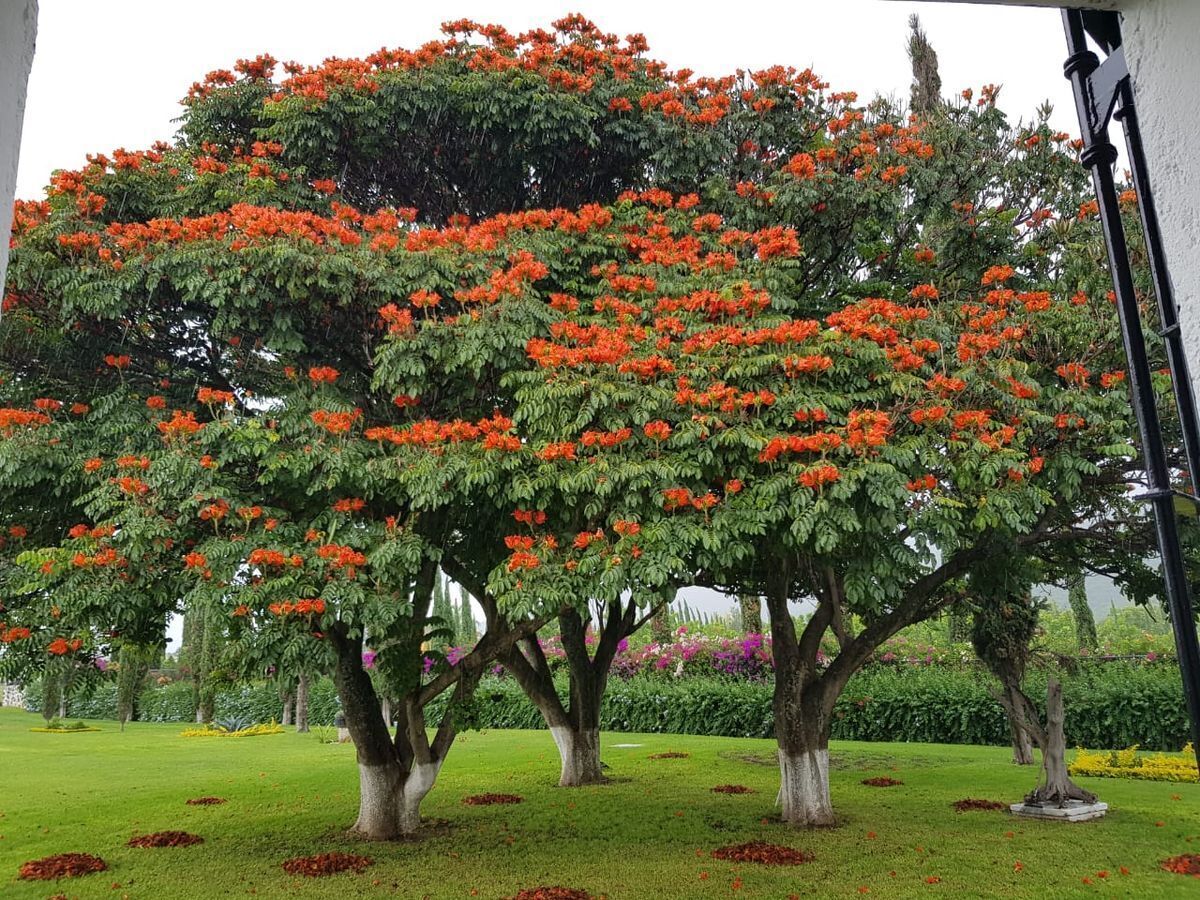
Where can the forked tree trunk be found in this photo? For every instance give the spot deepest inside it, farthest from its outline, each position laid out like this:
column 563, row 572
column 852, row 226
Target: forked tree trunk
column 390, row 798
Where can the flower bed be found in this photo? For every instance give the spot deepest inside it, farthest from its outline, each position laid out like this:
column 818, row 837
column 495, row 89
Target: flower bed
column 165, row 839
column 326, row 864
column 970, row 804
column 1127, row 764
column 252, row 731
column 206, row 801
column 881, row 781
column 64, row 865
column 763, row 853
column 492, row 799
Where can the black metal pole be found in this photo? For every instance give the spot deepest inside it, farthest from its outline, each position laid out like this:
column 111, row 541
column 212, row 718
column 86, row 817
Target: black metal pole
column 1099, row 155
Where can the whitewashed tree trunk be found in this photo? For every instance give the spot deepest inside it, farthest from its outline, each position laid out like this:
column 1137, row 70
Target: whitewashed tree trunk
column 379, row 802
column 580, row 755
column 418, row 784
column 389, row 803
column 804, row 790
column 288, row 706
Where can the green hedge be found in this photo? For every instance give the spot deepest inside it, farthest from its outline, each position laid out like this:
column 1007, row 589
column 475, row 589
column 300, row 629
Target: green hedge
column 174, row 703
column 1107, row 706
column 1110, row 705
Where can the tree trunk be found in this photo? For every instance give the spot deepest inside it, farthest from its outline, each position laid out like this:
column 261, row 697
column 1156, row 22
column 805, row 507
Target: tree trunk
column 288, row 707
column 1021, row 744
column 1085, row 621
column 579, row 750
column 750, row 607
column 389, row 803
column 804, row 785
column 302, row 704
column 1058, row 788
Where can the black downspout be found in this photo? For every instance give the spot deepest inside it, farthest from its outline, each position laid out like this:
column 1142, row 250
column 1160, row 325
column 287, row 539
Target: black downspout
column 1098, row 88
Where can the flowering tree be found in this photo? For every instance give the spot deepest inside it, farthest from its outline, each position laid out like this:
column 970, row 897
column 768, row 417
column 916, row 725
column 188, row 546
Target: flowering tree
column 850, row 357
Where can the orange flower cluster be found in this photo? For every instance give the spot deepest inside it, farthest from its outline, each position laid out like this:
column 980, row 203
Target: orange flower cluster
column 679, row 498
column 429, row 433
column 62, row 646
column 606, row 438
column 868, row 429
column 214, row 511
column 11, row 419
column 561, row 450
column 924, row 483
column 214, row 397
column 1074, row 373
column 322, row 375
column 336, row 422
column 13, row 633
column 181, row 425
column 657, row 430
column 806, row 365
column 349, row 505
column 529, row 516
column 342, row 557
column 721, row 396
column 820, row 442
column 815, row 478
column 273, row 559
column 195, row 561
column 299, row 608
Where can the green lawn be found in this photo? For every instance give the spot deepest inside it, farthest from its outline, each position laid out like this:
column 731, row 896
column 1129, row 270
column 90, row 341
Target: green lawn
column 646, row 835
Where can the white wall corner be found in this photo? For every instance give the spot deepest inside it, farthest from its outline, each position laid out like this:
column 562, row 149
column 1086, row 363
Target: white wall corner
column 18, row 31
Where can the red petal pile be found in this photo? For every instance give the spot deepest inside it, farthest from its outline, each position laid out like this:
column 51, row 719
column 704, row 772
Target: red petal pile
column 326, row 864
column 971, row 804
column 763, row 853
column 65, row 865
column 492, row 799
column 732, row 789
column 206, row 801
column 166, row 839
column 881, row 781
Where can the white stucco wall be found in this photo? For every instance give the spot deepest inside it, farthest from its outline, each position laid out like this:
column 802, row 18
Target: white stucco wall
column 1162, row 46
column 18, row 28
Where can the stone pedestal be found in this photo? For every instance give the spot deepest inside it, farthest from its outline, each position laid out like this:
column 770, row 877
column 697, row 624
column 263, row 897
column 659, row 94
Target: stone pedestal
column 1073, row 811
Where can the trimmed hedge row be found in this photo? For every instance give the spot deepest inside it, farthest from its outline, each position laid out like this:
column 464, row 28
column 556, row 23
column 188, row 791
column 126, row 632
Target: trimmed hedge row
column 1107, row 706
column 1114, row 705
column 258, row 702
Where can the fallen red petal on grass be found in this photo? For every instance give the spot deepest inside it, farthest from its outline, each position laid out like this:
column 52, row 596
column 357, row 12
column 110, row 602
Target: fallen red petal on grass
column 970, row 804
column 670, row 754
column 165, row 839
column 552, row 893
column 492, row 799
column 64, row 865
column 731, row 789
column 1184, row 864
column 763, row 853
column 326, row 864
column 881, row 781
column 206, row 801
column 932, row 879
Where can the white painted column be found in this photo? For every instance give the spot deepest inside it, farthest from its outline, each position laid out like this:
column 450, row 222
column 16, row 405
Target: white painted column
column 18, row 29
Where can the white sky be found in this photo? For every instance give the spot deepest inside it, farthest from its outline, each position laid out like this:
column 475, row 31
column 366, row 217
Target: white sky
column 109, row 75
